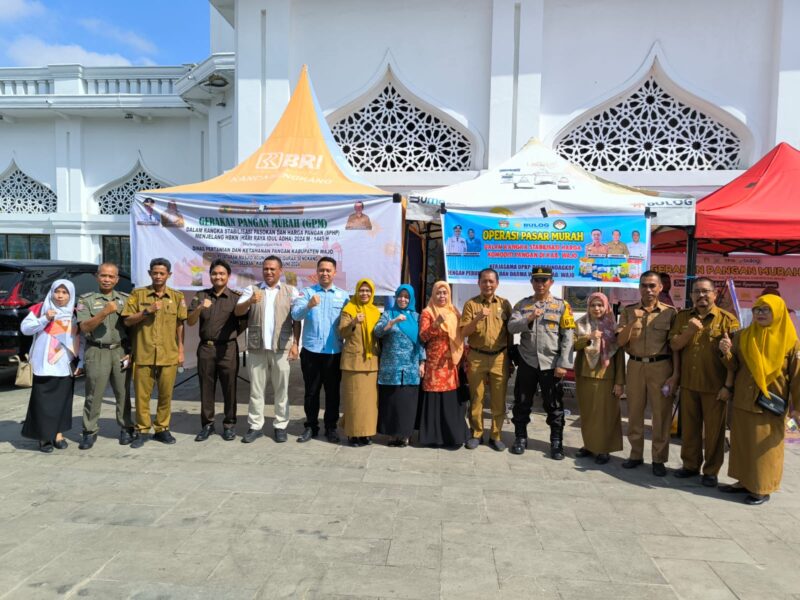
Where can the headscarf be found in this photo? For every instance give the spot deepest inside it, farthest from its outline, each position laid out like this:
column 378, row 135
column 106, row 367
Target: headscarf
column 451, row 316
column 410, row 326
column 61, row 329
column 607, row 325
column 764, row 348
column 371, row 314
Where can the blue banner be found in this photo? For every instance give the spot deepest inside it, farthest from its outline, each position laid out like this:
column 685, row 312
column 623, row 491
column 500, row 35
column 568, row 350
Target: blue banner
column 582, row 250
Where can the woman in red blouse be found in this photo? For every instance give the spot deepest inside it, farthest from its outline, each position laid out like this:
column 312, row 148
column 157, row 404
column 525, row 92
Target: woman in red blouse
column 443, row 417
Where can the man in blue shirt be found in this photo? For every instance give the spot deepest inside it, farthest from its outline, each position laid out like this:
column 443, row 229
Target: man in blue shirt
column 319, row 307
column 473, row 243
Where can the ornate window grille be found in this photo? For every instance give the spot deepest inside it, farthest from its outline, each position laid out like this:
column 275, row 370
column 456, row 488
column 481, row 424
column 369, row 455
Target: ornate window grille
column 117, row 200
column 651, row 130
column 389, row 133
column 21, row 194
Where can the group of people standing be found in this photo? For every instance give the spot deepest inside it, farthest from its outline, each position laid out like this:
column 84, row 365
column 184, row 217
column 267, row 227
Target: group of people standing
column 397, row 371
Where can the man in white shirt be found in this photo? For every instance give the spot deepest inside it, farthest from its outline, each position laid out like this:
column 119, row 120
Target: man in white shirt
column 637, row 248
column 273, row 339
column 455, row 243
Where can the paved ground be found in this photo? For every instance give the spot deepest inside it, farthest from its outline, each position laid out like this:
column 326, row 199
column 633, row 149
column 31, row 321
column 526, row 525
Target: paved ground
column 224, row 520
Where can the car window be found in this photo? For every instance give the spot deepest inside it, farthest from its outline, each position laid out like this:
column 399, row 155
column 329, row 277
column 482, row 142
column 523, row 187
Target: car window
column 8, row 279
column 37, row 283
column 83, row 282
column 125, row 284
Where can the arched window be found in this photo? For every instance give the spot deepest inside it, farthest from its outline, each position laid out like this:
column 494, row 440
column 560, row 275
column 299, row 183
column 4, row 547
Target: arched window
column 21, row 194
column 117, row 200
column 651, row 129
column 390, row 132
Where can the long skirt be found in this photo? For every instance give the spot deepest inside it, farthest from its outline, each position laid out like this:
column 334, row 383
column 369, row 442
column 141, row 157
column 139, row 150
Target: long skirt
column 397, row 409
column 50, row 408
column 601, row 422
column 756, row 458
column 442, row 419
column 360, row 400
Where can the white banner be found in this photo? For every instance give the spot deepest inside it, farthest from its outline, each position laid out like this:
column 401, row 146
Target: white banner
column 365, row 238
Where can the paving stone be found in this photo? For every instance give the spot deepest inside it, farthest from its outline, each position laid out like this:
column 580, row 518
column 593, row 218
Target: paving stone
column 692, row 579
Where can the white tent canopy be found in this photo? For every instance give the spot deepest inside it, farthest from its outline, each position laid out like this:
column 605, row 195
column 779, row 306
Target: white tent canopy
column 536, row 178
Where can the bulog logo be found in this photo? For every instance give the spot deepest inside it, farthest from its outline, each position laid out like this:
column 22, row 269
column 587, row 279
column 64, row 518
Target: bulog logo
column 278, row 160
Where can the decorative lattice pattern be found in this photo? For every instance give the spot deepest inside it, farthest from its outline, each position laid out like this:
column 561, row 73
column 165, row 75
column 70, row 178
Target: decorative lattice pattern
column 389, row 133
column 117, row 200
column 651, row 130
column 24, row 195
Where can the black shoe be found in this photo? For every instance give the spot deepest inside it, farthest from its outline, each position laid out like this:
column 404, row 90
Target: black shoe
column 497, row 445
column 709, row 480
column 659, row 470
column 206, row 431
column 60, row 444
column 473, row 443
column 87, row 441
column 367, row 441
column 138, row 439
column 280, row 435
column 355, row 442
column 307, row 434
column 583, row 453
column 165, row 437
column 601, row 459
column 733, row 489
column 228, row 434
column 632, row 463
column 756, row 500
column 251, row 436
column 125, row 437
column 393, row 443
column 402, row 443
column 46, row 447
column 556, row 450
column 685, row 473
column 332, row 436
column 520, row 445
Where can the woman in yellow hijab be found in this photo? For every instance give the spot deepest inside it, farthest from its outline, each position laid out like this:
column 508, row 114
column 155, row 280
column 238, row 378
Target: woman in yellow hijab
column 359, row 365
column 765, row 358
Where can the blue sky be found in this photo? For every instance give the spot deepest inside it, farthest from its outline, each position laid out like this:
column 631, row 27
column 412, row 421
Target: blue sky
column 103, row 32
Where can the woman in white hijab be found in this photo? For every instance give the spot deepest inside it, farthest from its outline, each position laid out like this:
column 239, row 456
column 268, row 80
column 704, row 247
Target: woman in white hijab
column 56, row 356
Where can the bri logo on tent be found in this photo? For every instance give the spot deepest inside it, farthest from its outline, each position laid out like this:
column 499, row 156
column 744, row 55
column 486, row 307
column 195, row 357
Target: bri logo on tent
column 280, row 160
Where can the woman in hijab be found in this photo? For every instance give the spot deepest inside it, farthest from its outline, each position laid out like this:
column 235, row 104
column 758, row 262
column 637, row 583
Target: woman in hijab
column 442, row 418
column 401, row 366
column 764, row 358
column 599, row 380
column 359, row 365
column 55, row 350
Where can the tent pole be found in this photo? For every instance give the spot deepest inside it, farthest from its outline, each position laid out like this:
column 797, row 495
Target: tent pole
column 691, row 264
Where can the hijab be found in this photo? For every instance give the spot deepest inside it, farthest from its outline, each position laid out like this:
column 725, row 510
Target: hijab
column 410, row 326
column 764, row 348
column 61, row 330
column 607, row 325
column 451, row 316
column 371, row 314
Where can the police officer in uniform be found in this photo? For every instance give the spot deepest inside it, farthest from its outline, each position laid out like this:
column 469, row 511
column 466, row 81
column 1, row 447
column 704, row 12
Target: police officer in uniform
column 107, row 355
column 218, row 351
column 545, row 324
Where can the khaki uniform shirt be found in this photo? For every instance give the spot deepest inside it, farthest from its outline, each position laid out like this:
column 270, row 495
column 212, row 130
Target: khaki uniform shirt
column 112, row 330
column 491, row 333
column 702, row 368
column 650, row 335
column 617, row 248
column 546, row 342
column 592, row 250
column 218, row 323
column 154, row 339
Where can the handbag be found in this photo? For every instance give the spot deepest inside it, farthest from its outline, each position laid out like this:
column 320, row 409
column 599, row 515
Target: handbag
column 24, row 376
column 772, row 403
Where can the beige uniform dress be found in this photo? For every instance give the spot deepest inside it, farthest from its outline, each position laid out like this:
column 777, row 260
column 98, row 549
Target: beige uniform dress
column 359, row 381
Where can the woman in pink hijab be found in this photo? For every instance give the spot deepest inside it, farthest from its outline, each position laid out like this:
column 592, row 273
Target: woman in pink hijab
column 599, row 380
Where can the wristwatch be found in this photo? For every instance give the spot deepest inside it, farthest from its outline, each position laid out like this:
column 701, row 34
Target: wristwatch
column 728, row 387
column 145, row 312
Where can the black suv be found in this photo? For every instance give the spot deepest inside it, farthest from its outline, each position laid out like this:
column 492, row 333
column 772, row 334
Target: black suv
column 25, row 282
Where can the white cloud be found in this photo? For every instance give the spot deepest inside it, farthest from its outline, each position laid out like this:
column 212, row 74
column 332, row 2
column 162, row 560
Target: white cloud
column 122, row 36
column 28, row 50
column 13, row 10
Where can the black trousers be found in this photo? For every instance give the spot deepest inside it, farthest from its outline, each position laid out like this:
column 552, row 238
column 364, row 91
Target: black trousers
column 218, row 363
column 321, row 370
column 528, row 379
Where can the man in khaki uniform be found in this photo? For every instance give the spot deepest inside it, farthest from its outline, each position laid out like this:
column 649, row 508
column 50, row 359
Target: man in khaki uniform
column 652, row 372
column 484, row 322
column 155, row 315
column 615, row 246
column 107, row 351
column 696, row 334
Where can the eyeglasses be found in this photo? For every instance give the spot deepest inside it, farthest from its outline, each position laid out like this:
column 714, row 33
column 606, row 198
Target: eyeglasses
column 762, row 310
column 697, row 292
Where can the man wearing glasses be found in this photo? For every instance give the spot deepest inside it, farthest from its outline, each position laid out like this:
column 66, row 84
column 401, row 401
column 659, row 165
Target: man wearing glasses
column 696, row 334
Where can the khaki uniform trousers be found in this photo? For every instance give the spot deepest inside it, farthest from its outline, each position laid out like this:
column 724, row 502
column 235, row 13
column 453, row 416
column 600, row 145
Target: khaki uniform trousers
column 643, row 385
column 272, row 366
column 102, row 365
column 144, row 377
column 483, row 369
column 702, row 416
